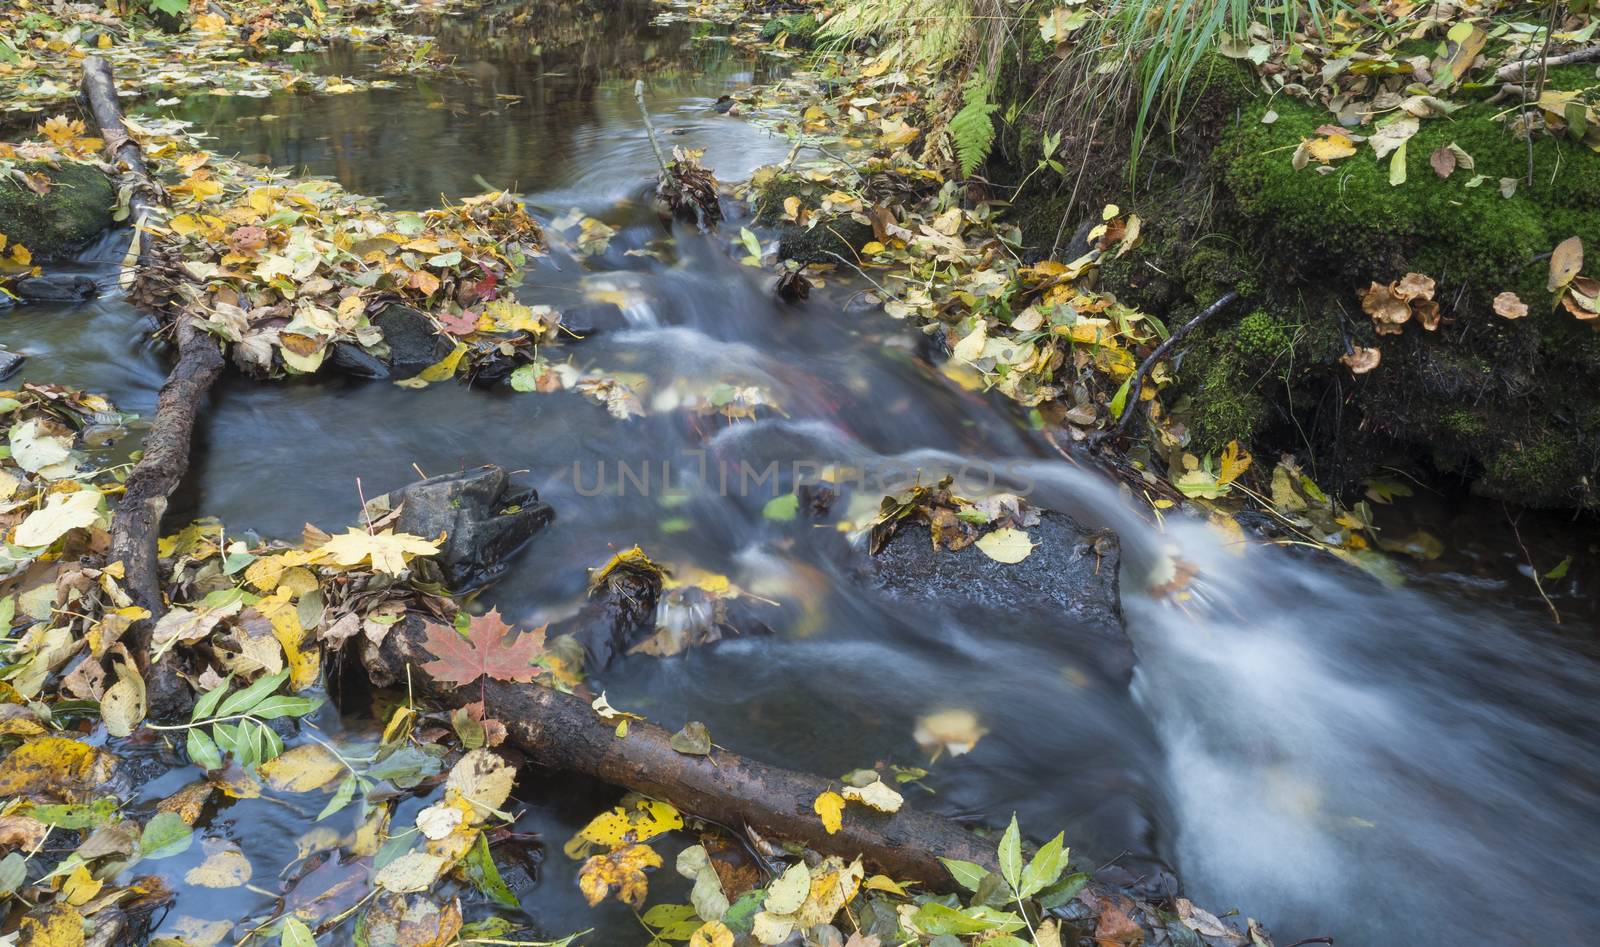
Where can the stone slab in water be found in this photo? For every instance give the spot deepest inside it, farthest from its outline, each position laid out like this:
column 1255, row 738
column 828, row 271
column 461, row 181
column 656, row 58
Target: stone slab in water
column 1069, row 582
column 486, row 518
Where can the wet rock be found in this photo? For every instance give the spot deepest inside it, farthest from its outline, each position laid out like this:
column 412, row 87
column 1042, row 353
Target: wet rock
column 57, row 288
column 1069, row 581
column 414, row 343
column 485, row 516
column 9, row 363
column 594, row 318
column 354, row 360
column 73, row 211
column 824, row 240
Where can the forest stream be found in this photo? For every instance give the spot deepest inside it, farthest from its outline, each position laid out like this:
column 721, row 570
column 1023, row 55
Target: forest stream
column 1383, row 764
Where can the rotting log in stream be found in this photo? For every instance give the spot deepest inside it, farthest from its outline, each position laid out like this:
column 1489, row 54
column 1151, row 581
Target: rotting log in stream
column 562, row 731
column 137, row 523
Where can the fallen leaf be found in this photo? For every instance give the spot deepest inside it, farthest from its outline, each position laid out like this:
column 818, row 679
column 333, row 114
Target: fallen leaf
column 622, row 870
column 1006, row 545
column 487, row 650
column 694, row 739
column 830, row 806
column 875, row 795
column 1565, row 262
column 949, row 731
column 387, row 551
column 225, row 866
column 61, row 514
column 302, row 769
column 413, row 871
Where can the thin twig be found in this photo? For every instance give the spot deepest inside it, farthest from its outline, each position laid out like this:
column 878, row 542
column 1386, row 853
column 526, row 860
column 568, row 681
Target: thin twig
column 1533, row 570
column 1136, row 384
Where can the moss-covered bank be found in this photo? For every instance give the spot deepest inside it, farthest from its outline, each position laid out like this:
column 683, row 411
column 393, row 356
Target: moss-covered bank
column 76, row 209
column 1513, row 406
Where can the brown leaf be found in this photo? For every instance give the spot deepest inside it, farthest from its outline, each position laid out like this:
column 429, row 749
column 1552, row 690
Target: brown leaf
column 1565, row 262
column 1510, row 306
column 488, row 650
column 1443, row 161
column 1115, row 928
column 622, row 869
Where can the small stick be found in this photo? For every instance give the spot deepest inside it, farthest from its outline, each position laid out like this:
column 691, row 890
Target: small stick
column 649, row 129
column 1161, row 351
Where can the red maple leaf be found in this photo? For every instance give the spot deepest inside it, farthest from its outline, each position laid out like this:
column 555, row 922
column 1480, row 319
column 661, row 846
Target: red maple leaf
column 488, row 649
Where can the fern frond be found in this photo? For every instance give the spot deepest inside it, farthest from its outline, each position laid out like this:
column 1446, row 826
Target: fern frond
column 972, row 128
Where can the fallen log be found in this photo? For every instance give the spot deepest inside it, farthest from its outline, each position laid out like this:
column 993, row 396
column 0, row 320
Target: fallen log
column 100, row 92
column 137, row 522
column 564, row 732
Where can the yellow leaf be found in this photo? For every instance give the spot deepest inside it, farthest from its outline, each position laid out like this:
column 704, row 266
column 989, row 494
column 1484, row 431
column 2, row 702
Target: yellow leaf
column 1233, row 463
column 1331, row 148
column 623, row 870
column 104, row 42
column 884, row 883
column 60, row 926
column 387, row 551
column 20, row 255
column 62, row 513
column 876, row 795
column 80, row 886
column 226, row 867
column 712, row 934
column 413, row 871
column 830, row 806
column 302, row 769
column 210, row 23
column 1006, row 545
column 1565, row 263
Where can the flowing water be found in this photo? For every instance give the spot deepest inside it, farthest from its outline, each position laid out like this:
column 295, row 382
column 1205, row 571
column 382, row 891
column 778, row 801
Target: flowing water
column 1416, row 765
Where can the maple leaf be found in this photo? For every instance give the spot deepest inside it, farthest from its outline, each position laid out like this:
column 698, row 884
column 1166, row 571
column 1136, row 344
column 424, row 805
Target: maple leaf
column 622, row 869
column 386, row 550
column 487, row 650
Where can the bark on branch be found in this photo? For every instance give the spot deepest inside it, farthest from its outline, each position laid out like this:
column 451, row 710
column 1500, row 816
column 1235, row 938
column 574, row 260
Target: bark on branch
column 562, row 731
column 137, row 523
column 1514, row 72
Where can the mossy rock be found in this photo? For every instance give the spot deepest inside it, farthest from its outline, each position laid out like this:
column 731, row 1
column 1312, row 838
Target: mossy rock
column 76, row 210
column 821, row 239
column 1350, row 221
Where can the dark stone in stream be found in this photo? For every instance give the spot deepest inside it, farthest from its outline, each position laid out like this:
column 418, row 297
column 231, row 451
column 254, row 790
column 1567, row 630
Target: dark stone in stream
column 354, row 360
column 593, row 318
column 57, row 288
column 413, row 342
column 1070, row 580
column 9, row 363
column 485, row 516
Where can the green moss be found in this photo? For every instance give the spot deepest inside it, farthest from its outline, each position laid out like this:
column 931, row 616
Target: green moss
column 1540, row 468
column 1349, row 221
column 76, row 209
column 801, row 28
column 1464, row 423
column 839, row 234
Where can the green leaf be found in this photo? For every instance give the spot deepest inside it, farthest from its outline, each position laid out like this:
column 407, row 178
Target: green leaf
column 936, row 919
column 209, row 700
column 170, row 7
column 1397, row 166
column 1062, row 891
column 1560, row 570
column 1011, row 854
column 1045, row 867
column 485, row 876
column 782, row 509
column 164, row 836
column 750, row 242
column 296, row 934
column 972, row 128
column 93, row 815
column 967, row 874
column 246, row 699
column 1120, row 399
column 203, row 750
column 341, row 798
column 282, row 706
